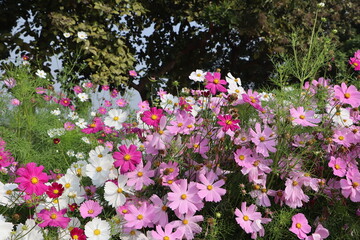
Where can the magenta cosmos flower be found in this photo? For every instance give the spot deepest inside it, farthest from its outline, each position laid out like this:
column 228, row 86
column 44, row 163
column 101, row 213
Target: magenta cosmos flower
column 214, row 83
column 347, row 95
column 32, row 179
column 303, row 118
column 65, row 102
column 300, row 226
column 227, row 122
column 152, row 117
column 53, row 218
column 90, row 209
column 127, row 159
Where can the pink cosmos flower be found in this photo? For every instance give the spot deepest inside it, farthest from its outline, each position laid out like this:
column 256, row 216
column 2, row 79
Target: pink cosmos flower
column 141, row 176
column 184, row 197
column 343, row 136
column 227, row 122
column 188, row 225
column 152, row 117
column 127, row 158
column 77, row 89
column 350, row 187
column 264, row 140
column 250, row 220
column 53, row 218
column 65, row 102
column 168, row 234
column 10, row 82
column 88, row 85
column 199, row 144
column 90, row 209
column 121, row 102
column 215, row 83
column 347, row 95
column 209, row 189
column 102, row 110
column 300, row 226
column 319, row 234
column 244, row 157
column 160, row 210
column 253, row 99
column 96, row 126
column 303, row 118
column 293, row 194
column 183, row 124
column 105, row 87
column 114, row 93
column 15, row 102
column 139, row 217
column 143, row 106
column 107, row 103
column 69, row 126
column 355, row 63
column 32, row 179
column 133, row 73
column 338, row 165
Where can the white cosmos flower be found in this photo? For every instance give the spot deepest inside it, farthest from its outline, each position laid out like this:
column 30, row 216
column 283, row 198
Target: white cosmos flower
column 100, row 152
column 233, row 80
column 7, row 194
column 114, row 193
column 86, row 140
column 341, row 116
column 29, row 231
column 197, row 76
column 40, row 73
column 70, row 182
column 81, row 123
column 56, row 112
column 99, row 170
column 97, row 229
column 78, row 169
column 116, row 118
column 5, row 227
column 82, row 35
column 83, row 97
column 66, row 35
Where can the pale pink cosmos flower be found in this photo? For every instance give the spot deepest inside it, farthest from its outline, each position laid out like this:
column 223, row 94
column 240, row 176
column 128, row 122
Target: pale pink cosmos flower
column 90, row 209
column 343, row 136
column 141, row 176
column 338, row 165
column 293, row 194
column 184, row 197
column 15, row 102
column 347, row 95
column 10, row 82
column 350, row 187
column 167, row 233
column 264, row 140
column 133, row 73
column 244, row 157
column 188, row 225
column 303, row 118
column 319, row 234
column 210, row 190
column 139, row 217
column 143, row 106
column 250, row 220
column 300, row 226
column 69, row 126
column 160, row 210
column 199, row 144
column 121, row 102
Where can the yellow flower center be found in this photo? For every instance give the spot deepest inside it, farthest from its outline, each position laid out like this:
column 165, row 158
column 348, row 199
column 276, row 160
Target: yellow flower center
column 90, row 211
column 132, row 232
column 196, row 145
column 140, row 217
column 243, row 139
column 199, row 75
column 166, row 238
column 171, row 170
column 241, row 157
column 75, row 237
column 34, row 180
column 97, row 232
column 302, row 117
column 237, row 90
column 295, row 183
column 347, row 95
column 164, row 208
column 216, row 81
column 341, row 138
column 170, row 181
column 154, row 117
column 209, row 187
column 53, row 216
column 124, row 211
column 262, row 139
column 92, row 125
column 67, row 185
column 355, row 184
column 140, row 174
column 180, row 124
column 8, row 192
column 116, row 118
column 100, row 156
column 99, row 169
column 183, row 196
column 256, row 187
column 337, row 167
column 298, row 225
column 256, row 163
column 56, row 191
column 189, row 126
column 228, row 122
column 56, row 201
column 246, row 218
column 185, row 221
column 161, row 132
column 119, row 190
column 127, row 157
column 263, row 190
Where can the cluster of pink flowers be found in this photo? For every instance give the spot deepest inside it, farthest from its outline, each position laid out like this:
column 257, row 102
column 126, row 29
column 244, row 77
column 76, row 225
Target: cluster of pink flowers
column 355, row 61
column 156, row 172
